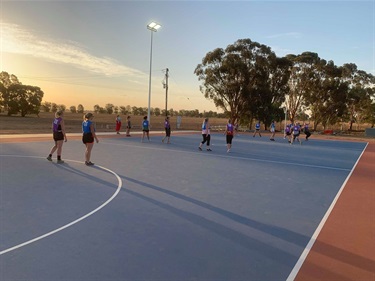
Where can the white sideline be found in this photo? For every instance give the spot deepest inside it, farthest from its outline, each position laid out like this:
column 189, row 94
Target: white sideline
column 73, row 222
column 309, row 246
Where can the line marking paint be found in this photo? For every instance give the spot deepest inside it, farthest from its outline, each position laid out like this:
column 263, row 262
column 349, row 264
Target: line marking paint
column 309, row 246
column 73, row 222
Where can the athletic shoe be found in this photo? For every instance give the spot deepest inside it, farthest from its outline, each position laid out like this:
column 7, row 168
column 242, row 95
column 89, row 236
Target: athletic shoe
column 49, row 158
column 209, row 149
column 200, row 149
column 228, row 150
column 89, row 163
column 60, row 161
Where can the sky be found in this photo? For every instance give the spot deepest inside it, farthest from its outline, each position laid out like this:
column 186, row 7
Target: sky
column 98, row 52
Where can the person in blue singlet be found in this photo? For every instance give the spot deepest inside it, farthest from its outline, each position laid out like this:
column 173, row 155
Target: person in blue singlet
column 167, row 127
column 206, row 135
column 59, row 136
column 229, row 132
column 88, row 136
column 273, row 130
column 145, row 129
column 296, row 130
column 257, row 129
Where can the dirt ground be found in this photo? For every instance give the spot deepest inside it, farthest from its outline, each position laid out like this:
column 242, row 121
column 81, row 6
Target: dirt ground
column 106, row 123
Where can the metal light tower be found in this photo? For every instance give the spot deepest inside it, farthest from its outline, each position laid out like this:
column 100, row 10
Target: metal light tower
column 166, row 92
column 153, row 27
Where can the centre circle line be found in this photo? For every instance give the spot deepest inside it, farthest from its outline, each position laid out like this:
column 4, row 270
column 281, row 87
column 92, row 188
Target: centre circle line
column 73, row 222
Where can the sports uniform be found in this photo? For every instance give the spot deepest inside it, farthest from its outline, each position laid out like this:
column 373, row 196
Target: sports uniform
column 56, row 128
column 87, row 134
column 205, row 135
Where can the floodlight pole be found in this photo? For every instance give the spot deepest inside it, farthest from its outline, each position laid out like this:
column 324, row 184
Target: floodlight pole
column 166, row 92
column 153, row 27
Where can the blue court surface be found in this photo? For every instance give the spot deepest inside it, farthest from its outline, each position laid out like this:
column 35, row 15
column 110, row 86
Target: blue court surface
column 155, row 211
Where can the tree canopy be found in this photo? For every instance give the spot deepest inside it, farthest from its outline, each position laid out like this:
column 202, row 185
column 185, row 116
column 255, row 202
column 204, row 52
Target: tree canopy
column 18, row 98
column 248, row 81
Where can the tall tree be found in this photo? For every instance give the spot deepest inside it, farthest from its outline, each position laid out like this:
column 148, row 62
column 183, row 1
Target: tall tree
column 326, row 94
column 23, row 99
column 361, row 93
column 80, row 108
column 245, row 79
column 299, row 82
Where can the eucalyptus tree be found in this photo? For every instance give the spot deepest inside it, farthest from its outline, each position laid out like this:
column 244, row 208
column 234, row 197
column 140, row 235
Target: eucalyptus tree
column 326, row 95
column 236, row 78
column 80, row 108
column 301, row 73
column 6, row 80
column 361, row 93
column 23, row 99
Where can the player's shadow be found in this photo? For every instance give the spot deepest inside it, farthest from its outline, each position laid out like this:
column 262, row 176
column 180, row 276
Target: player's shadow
column 279, row 232
column 79, row 172
column 251, row 243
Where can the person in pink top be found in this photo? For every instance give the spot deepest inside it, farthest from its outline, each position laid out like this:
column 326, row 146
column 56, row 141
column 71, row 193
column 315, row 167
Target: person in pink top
column 206, row 135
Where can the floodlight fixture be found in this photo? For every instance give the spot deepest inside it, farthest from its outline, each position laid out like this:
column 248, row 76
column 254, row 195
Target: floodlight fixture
column 153, row 26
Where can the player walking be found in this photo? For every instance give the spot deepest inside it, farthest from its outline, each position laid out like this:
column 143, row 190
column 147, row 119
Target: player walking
column 206, row 135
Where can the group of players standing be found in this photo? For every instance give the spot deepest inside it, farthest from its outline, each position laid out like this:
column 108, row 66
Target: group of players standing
column 292, row 132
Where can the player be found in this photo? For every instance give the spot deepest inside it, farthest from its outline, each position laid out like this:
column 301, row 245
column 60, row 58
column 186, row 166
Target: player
column 229, row 132
column 167, row 127
column 206, row 135
column 296, row 132
column 273, row 130
column 145, row 128
column 88, row 136
column 59, row 136
column 257, row 129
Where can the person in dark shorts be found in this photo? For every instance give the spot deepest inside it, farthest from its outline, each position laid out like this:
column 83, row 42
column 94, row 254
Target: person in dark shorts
column 306, row 130
column 128, row 126
column 167, row 127
column 229, row 132
column 296, row 130
column 257, row 129
column 288, row 133
column 206, row 135
column 145, row 129
column 88, row 136
column 59, row 136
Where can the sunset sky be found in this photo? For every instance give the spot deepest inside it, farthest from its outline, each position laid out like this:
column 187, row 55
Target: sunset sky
column 98, row 52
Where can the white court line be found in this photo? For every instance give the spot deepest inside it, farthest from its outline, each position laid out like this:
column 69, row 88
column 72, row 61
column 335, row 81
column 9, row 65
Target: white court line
column 73, row 222
column 309, row 246
column 230, row 156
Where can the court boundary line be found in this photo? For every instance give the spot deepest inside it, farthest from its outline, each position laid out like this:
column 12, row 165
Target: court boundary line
column 119, row 187
column 314, row 237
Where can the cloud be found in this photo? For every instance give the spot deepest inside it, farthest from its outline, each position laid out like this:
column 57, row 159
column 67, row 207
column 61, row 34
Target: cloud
column 295, row 35
column 16, row 40
column 280, row 52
